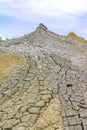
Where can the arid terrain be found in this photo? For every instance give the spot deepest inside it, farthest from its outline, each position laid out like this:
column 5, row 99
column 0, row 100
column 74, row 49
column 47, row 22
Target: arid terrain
column 8, row 63
column 43, row 82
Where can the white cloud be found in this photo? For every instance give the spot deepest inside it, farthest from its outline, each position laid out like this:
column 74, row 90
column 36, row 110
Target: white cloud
column 68, row 5
column 5, row 0
column 48, row 8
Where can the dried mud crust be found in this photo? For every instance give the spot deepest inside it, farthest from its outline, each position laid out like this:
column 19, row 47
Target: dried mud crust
column 50, row 94
column 27, row 101
column 71, row 86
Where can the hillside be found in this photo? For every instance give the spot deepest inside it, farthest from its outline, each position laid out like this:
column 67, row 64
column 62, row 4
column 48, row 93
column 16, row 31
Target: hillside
column 48, row 88
column 79, row 38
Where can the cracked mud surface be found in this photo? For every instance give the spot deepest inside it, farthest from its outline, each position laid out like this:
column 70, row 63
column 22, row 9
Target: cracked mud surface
column 27, row 100
column 44, row 98
column 48, row 93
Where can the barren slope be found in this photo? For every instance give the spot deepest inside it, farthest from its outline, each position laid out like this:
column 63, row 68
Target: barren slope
column 50, row 91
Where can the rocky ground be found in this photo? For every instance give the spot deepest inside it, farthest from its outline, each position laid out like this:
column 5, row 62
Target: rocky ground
column 49, row 92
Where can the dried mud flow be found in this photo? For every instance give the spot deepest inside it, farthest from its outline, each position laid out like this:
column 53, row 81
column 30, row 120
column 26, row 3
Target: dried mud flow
column 49, row 90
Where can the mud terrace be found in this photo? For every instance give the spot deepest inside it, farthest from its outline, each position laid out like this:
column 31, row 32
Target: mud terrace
column 49, row 92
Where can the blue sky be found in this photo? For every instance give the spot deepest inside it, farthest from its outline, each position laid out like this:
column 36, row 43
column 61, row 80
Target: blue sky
column 19, row 17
